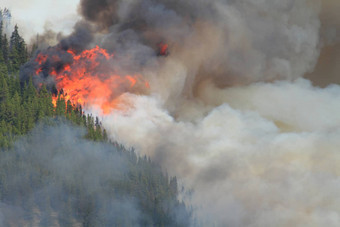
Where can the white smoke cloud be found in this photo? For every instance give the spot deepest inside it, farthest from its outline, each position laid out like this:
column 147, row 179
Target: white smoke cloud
column 299, row 105
column 245, row 167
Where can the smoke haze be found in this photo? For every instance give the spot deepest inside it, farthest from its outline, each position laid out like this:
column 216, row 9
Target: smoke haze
column 35, row 16
column 235, row 110
column 55, row 177
column 50, row 161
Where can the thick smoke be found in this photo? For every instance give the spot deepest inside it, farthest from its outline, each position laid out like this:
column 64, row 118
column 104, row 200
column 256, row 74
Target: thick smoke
column 256, row 154
column 267, row 156
column 229, row 41
column 328, row 67
column 228, row 110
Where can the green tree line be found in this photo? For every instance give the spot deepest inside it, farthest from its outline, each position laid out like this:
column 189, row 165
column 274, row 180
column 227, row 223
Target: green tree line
column 22, row 105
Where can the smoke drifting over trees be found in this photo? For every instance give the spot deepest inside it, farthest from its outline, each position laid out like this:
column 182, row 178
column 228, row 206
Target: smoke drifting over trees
column 54, row 177
column 228, row 109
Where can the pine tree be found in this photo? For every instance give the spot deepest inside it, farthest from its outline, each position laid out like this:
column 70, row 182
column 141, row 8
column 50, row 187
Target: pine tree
column 14, row 60
column 30, row 91
column 60, row 106
column 1, row 32
column 18, row 50
column 16, row 101
column 5, row 49
column 15, row 38
column 3, row 67
column 4, row 91
column 45, row 102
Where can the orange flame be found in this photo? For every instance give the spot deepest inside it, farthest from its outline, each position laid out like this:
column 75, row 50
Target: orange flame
column 89, row 80
column 163, row 49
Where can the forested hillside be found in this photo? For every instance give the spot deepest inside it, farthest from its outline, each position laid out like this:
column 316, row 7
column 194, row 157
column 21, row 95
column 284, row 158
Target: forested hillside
column 57, row 167
column 22, row 105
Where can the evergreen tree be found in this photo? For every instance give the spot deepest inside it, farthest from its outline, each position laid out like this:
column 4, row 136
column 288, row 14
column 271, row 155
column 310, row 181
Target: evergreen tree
column 18, row 51
column 4, row 90
column 60, row 106
column 1, row 34
column 3, row 65
column 5, row 49
column 45, row 102
column 15, row 38
column 30, row 91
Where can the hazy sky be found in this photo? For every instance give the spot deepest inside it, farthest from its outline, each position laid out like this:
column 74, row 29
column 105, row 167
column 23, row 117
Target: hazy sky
column 33, row 15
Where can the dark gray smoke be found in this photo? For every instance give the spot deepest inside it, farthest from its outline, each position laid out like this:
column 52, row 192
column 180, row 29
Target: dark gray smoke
column 229, row 41
column 57, row 56
column 80, row 39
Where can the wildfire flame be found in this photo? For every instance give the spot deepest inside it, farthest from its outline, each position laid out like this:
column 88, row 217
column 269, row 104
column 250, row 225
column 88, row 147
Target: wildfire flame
column 163, row 49
column 89, row 79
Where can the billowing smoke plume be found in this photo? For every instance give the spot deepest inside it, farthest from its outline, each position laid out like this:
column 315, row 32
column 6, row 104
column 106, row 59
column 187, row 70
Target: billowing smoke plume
column 267, row 156
column 228, row 110
column 229, row 41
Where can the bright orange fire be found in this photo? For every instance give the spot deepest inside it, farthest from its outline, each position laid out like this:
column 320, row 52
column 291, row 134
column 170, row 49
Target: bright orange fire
column 163, row 49
column 90, row 79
